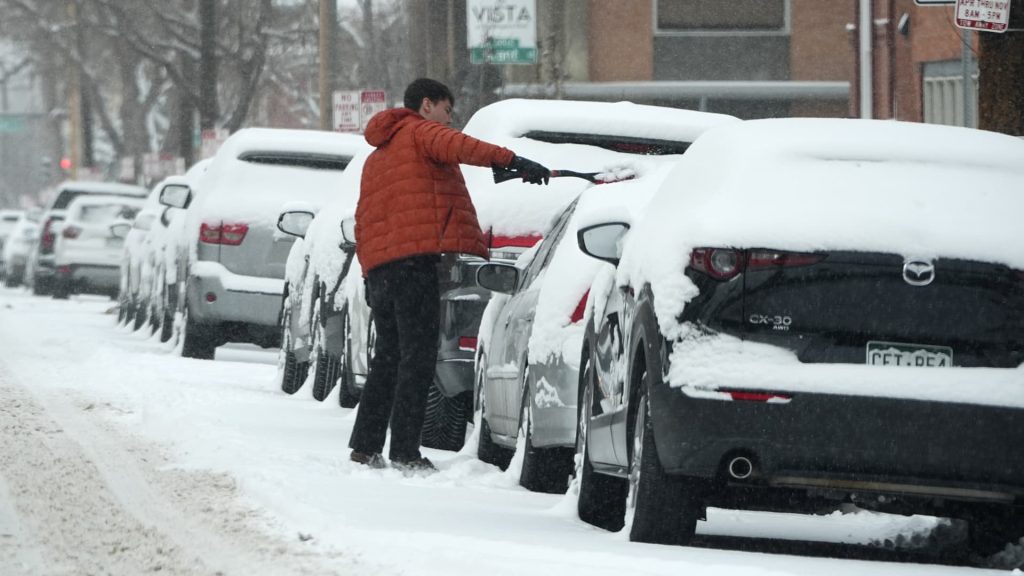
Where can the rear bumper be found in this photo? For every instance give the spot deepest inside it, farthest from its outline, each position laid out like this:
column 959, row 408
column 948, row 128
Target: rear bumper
column 848, row 444
column 90, row 277
column 215, row 295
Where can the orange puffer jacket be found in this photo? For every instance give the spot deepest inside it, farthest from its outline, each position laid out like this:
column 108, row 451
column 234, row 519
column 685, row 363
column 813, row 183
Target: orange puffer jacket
column 413, row 199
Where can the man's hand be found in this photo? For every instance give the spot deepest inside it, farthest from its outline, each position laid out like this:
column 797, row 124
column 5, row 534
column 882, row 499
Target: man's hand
column 530, row 171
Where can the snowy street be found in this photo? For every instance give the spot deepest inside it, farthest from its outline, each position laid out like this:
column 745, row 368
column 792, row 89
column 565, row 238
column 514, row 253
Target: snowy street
column 117, row 456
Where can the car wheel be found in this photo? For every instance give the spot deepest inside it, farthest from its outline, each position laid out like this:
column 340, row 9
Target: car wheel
column 42, row 286
column 326, row 366
column 166, row 316
column 348, row 395
column 602, row 499
column 544, row 469
column 487, row 450
column 293, row 373
column 444, row 425
column 198, row 340
column 139, row 318
column 665, row 509
column 990, row 533
column 61, row 290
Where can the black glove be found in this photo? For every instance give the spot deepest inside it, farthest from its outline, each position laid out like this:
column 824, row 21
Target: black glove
column 530, row 171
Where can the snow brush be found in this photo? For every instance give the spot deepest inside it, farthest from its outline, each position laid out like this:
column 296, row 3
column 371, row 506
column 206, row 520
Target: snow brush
column 606, row 177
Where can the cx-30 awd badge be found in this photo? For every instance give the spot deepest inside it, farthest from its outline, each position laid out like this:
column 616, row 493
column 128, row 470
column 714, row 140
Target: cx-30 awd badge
column 918, row 272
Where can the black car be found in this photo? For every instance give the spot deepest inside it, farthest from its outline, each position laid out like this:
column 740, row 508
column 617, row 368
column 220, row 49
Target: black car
column 814, row 360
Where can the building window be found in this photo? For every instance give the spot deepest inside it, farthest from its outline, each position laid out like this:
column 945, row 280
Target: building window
column 734, row 16
column 944, row 94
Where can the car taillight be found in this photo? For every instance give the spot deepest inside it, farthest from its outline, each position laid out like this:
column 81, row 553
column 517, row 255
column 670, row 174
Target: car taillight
column 751, row 396
column 577, row 314
column 227, row 234
column 71, row 232
column 467, row 343
column 726, row 263
column 47, row 238
column 719, row 263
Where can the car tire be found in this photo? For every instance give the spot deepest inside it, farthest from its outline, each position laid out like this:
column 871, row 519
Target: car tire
column 166, row 317
column 665, row 508
column 61, row 290
column 444, row 425
column 988, row 534
column 602, row 499
column 348, row 395
column 139, row 318
column 293, row 373
column 544, row 469
column 42, row 286
column 198, row 340
column 487, row 450
column 326, row 367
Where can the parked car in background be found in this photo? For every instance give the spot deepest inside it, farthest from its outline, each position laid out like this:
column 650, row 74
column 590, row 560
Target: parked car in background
column 18, row 246
column 811, row 312
column 41, row 262
column 527, row 368
column 313, row 329
column 8, row 218
column 88, row 248
column 165, row 252
column 236, row 256
column 133, row 299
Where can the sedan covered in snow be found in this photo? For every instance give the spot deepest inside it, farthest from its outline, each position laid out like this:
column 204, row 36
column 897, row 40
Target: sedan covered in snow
column 811, row 312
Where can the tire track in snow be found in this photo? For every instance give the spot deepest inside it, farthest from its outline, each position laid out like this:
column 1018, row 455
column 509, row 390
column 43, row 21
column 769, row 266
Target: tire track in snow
column 94, row 502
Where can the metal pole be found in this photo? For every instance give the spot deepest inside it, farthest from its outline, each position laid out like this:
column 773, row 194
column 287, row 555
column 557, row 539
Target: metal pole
column 968, row 81
column 865, row 30
column 328, row 20
column 74, row 103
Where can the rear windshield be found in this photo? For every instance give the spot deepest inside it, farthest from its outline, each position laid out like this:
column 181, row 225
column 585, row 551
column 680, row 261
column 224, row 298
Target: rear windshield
column 66, row 196
column 625, row 144
column 99, row 213
column 298, row 160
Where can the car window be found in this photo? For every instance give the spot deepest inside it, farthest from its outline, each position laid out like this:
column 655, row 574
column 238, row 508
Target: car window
column 624, row 144
column 547, row 248
column 297, row 160
column 99, row 213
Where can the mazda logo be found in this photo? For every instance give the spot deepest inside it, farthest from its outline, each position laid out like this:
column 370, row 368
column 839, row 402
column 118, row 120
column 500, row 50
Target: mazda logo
column 918, row 272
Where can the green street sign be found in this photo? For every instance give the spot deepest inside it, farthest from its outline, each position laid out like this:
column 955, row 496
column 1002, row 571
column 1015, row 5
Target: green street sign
column 12, row 123
column 503, row 51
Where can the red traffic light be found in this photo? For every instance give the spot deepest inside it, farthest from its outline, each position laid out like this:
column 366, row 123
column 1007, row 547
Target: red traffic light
column 65, row 163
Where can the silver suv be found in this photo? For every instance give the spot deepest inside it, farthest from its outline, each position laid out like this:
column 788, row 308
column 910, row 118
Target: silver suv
column 236, row 257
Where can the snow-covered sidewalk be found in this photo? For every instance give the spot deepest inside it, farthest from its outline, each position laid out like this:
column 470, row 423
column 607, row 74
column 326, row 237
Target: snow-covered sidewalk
column 117, row 456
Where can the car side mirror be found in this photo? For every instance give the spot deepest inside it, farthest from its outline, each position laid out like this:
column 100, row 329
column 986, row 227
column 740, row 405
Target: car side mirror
column 603, row 241
column 295, row 222
column 120, row 230
column 498, row 277
column 348, row 233
column 176, row 196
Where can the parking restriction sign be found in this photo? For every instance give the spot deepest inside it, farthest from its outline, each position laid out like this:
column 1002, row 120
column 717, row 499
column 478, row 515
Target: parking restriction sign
column 985, row 15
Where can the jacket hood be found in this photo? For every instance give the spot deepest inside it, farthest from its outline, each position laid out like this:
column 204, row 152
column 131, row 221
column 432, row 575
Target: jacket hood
column 382, row 127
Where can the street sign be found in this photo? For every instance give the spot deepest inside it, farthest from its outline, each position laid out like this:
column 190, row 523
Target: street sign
column 934, row 2
column 502, row 31
column 354, row 108
column 371, row 102
column 985, row 15
column 211, row 141
column 10, row 123
column 346, row 111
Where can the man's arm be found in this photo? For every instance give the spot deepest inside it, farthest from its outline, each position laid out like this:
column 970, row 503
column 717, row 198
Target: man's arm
column 448, row 146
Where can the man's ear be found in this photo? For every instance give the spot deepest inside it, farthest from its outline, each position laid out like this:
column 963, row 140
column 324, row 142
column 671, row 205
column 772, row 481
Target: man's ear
column 425, row 105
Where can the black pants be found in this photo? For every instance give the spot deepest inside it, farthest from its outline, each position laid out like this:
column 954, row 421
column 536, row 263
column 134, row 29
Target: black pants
column 405, row 306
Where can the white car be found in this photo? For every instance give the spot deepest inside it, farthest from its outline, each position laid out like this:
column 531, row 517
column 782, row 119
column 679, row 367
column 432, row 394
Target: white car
column 236, row 257
column 87, row 251
column 528, row 354
column 17, row 248
column 8, row 218
column 133, row 300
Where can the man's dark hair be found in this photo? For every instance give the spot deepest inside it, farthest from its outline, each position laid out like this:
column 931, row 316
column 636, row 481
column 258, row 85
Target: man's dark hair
column 426, row 88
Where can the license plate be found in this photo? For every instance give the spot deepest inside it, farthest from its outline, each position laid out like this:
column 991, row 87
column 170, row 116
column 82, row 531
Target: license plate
column 909, row 355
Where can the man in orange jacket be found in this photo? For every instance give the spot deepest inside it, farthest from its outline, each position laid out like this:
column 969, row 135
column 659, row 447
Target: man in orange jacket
column 413, row 206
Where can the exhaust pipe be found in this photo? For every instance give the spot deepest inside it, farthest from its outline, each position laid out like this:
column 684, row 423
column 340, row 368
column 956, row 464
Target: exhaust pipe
column 741, row 468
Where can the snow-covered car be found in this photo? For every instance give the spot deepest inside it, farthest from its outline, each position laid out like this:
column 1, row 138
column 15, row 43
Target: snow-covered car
column 527, row 368
column 41, row 263
column 87, row 251
column 236, row 256
column 314, row 317
column 811, row 312
column 132, row 298
column 18, row 246
column 8, row 218
column 165, row 255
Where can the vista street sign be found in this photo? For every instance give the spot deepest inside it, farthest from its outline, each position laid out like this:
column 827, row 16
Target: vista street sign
column 502, row 31
column 985, row 15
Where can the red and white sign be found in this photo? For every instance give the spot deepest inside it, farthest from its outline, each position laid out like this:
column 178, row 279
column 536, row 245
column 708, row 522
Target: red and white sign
column 211, row 141
column 346, row 111
column 371, row 102
column 986, row 15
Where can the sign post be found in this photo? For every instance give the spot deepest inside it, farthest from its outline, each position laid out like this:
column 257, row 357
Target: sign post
column 502, row 31
column 984, row 15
